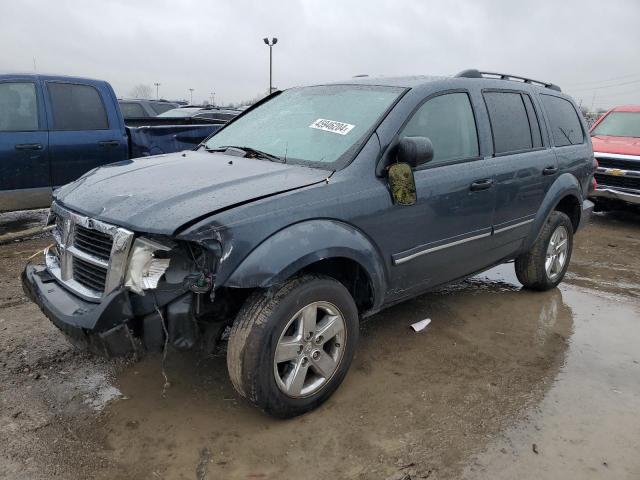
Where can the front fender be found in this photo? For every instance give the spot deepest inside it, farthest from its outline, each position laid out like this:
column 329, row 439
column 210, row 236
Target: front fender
column 295, row 247
column 565, row 184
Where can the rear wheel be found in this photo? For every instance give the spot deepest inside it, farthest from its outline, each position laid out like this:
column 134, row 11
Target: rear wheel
column 544, row 266
column 291, row 346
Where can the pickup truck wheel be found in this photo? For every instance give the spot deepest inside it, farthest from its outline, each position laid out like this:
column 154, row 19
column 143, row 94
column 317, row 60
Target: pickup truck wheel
column 291, row 346
column 543, row 267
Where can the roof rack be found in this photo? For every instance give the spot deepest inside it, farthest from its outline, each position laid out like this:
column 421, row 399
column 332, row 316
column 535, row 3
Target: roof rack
column 473, row 73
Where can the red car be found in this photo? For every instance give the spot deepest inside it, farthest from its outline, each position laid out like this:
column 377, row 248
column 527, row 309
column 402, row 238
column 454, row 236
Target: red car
column 616, row 147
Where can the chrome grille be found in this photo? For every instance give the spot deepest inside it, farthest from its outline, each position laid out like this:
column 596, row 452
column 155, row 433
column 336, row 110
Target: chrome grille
column 618, row 163
column 89, row 256
column 93, row 242
column 89, row 275
column 631, row 183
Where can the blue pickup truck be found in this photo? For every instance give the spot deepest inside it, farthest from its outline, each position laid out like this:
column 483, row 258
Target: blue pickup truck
column 55, row 128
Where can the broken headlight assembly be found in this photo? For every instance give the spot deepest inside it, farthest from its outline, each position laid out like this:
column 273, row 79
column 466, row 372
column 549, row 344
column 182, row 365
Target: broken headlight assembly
column 148, row 261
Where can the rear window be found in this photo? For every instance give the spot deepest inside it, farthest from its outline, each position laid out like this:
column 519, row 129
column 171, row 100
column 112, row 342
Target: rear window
column 18, row 107
column 76, row 107
column 509, row 122
column 160, row 107
column 619, row 124
column 565, row 124
column 132, row 110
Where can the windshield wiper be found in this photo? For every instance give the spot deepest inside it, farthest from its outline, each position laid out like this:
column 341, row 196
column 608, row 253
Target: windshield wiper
column 252, row 152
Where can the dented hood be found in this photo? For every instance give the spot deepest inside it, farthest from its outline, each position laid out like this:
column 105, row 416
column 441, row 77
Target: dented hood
column 160, row 194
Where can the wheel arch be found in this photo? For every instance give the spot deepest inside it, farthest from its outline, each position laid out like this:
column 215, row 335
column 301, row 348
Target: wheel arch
column 324, row 246
column 565, row 195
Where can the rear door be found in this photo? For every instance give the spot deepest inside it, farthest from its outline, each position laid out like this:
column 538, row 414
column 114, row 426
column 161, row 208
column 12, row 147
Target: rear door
column 523, row 166
column 86, row 130
column 24, row 155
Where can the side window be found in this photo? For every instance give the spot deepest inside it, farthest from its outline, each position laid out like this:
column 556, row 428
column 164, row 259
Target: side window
column 448, row 121
column 564, row 121
column 18, row 107
column 509, row 122
column 76, row 107
column 132, row 110
column 534, row 124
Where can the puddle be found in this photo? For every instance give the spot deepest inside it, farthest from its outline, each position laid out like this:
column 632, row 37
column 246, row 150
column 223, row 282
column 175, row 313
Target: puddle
column 429, row 399
column 587, row 425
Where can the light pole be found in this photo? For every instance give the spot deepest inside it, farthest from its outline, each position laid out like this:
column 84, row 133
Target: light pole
column 157, row 85
column 270, row 44
column 191, row 92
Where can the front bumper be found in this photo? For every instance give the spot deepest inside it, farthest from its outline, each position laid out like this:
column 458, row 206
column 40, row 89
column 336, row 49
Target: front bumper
column 99, row 327
column 615, row 194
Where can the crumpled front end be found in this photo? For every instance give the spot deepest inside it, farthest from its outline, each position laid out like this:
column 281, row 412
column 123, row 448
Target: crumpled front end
column 116, row 293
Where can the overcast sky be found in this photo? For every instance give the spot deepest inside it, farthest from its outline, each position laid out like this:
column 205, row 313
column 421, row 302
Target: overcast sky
column 584, row 46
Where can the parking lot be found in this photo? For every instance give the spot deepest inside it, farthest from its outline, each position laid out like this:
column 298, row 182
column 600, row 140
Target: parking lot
column 504, row 383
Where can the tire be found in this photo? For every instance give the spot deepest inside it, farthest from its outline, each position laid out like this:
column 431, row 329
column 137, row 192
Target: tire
column 276, row 320
column 531, row 267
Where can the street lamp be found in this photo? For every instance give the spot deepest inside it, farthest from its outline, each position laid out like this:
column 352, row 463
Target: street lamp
column 157, row 85
column 191, row 92
column 270, row 44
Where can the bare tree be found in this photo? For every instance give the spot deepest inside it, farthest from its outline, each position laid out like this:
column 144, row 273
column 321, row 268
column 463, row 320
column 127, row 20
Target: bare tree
column 141, row 91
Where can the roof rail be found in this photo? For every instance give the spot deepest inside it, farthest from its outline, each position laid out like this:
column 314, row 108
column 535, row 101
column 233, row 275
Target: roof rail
column 473, row 73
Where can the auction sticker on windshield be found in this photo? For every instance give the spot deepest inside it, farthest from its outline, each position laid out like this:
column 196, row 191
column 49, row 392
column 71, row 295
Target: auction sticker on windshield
column 332, row 126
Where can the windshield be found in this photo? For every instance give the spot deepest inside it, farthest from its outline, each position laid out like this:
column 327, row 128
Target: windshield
column 310, row 124
column 619, row 124
column 180, row 112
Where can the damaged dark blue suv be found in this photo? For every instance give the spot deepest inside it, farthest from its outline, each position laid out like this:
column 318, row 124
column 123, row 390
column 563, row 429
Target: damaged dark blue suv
column 317, row 207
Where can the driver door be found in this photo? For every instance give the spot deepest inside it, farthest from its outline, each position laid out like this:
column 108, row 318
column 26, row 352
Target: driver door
column 446, row 233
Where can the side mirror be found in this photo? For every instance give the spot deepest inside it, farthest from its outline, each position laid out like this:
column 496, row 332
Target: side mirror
column 414, row 150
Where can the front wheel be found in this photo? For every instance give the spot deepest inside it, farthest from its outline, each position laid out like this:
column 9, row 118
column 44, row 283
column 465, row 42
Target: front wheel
column 291, row 346
column 544, row 266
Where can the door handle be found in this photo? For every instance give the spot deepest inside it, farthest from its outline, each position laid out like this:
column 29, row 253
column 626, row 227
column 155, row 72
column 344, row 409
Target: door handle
column 109, row 143
column 549, row 170
column 28, row 146
column 481, row 184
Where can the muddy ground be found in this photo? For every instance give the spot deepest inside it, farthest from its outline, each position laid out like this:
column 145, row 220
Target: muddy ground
column 504, row 383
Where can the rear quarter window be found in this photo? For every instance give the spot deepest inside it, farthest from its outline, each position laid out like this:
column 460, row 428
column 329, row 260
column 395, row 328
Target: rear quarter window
column 566, row 128
column 76, row 107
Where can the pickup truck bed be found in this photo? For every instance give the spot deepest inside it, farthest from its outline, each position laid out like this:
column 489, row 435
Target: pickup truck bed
column 53, row 129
